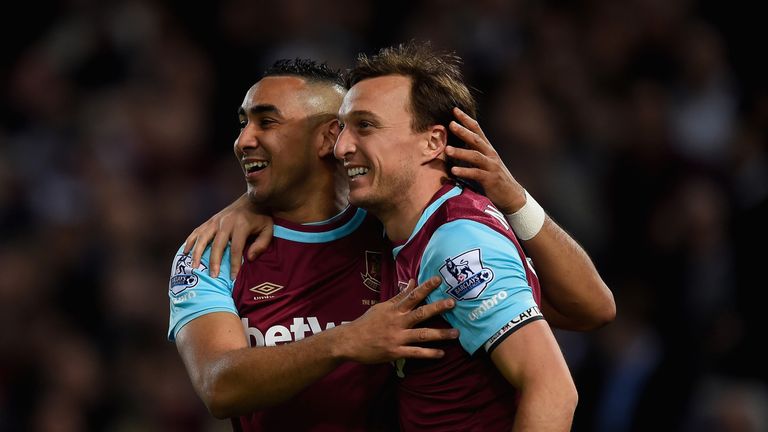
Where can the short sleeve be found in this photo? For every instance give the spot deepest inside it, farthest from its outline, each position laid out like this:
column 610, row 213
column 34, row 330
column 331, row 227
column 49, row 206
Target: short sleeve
column 194, row 293
column 483, row 271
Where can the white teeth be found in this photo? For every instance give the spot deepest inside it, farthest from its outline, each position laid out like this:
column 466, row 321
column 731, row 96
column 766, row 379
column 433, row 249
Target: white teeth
column 257, row 164
column 357, row 171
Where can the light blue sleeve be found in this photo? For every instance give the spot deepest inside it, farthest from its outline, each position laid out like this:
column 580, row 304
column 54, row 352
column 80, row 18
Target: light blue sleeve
column 194, row 293
column 483, row 271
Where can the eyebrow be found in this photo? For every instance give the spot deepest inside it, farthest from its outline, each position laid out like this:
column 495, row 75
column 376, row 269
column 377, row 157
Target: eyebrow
column 361, row 113
column 260, row 109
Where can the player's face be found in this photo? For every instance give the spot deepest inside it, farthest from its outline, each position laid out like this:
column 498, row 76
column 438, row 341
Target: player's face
column 275, row 143
column 377, row 144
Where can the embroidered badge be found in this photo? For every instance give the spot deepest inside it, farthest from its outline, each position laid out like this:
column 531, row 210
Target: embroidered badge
column 183, row 276
column 372, row 276
column 465, row 275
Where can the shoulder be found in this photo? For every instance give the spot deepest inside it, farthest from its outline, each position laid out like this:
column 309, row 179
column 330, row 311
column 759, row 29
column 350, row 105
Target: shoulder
column 472, row 206
column 185, row 276
column 467, row 232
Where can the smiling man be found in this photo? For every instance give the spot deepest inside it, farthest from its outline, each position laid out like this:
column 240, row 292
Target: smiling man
column 506, row 370
column 269, row 349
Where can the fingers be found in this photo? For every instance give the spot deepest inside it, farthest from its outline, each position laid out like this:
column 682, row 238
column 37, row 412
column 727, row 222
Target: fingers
column 469, row 124
column 239, row 238
column 424, row 335
column 415, row 296
column 217, row 251
column 428, row 311
column 473, row 157
column 475, row 174
column 403, row 293
column 261, row 242
column 203, row 238
column 473, row 140
column 189, row 242
column 409, row 352
column 236, row 257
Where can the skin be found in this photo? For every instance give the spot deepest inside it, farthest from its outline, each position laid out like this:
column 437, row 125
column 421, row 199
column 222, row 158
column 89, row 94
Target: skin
column 388, row 189
column 574, row 295
column 405, row 169
column 284, row 123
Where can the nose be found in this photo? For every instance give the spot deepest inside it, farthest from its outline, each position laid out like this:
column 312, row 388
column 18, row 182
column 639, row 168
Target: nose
column 246, row 140
column 345, row 145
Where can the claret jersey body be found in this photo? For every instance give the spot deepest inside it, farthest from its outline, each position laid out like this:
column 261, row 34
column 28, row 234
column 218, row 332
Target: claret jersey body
column 465, row 240
column 311, row 278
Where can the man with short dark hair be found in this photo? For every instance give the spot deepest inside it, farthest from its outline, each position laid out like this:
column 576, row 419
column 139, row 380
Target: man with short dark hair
column 506, row 370
column 320, row 271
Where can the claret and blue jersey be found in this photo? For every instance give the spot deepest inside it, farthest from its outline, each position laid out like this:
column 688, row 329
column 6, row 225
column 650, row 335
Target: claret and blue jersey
column 465, row 240
column 312, row 277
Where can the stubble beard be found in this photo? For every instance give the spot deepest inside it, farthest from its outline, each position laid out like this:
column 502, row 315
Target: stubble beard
column 385, row 196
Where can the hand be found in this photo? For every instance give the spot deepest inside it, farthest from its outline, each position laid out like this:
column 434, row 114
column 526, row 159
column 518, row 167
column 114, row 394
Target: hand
column 236, row 222
column 385, row 332
column 487, row 167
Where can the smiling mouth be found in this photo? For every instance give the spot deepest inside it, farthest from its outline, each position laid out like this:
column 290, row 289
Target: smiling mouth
column 255, row 166
column 356, row 172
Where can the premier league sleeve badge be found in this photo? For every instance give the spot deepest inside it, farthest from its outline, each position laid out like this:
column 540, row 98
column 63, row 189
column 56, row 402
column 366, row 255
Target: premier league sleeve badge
column 465, row 275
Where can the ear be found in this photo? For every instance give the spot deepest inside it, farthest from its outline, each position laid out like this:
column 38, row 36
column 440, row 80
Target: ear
column 330, row 132
column 437, row 139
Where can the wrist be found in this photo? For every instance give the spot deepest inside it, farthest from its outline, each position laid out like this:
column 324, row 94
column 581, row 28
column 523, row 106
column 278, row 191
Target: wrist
column 516, row 201
column 336, row 341
column 528, row 220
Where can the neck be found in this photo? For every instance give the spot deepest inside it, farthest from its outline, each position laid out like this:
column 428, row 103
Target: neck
column 321, row 201
column 400, row 217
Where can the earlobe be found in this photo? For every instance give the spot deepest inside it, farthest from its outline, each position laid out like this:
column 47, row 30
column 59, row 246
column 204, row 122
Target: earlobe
column 330, row 134
column 437, row 139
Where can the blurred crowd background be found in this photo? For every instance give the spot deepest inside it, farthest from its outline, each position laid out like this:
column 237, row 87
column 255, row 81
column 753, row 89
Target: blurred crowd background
column 640, row 125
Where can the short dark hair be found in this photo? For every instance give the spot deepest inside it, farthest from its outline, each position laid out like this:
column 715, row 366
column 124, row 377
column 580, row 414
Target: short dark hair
column 437, row 85
column 308, row 69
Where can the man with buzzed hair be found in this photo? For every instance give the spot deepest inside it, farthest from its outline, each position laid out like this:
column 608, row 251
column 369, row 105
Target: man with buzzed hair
column 310, row 280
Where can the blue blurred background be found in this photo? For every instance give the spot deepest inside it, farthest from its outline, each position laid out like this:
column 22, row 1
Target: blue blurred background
column 640, row 125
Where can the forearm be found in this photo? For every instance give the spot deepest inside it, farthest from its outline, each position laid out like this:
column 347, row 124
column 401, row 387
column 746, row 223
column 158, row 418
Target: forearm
column 232, row 378
column 248, row 379
column 576, row 296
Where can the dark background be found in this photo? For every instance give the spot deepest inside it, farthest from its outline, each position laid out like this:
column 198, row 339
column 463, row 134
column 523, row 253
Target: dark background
column 639, row 125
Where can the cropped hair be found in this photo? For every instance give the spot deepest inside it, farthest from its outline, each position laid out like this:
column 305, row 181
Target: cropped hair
column 308, row 69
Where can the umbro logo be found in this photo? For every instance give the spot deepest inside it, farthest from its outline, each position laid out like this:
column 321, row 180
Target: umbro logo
column 266, row 289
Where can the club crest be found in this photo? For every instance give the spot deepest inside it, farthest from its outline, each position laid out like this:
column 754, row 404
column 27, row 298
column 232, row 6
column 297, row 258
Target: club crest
column 401, row 286
column 183, row 276
column 372, row 276
column 465, row 275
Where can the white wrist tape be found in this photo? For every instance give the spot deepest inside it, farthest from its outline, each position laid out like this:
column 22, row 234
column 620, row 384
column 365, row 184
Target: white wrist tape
column 527, row 221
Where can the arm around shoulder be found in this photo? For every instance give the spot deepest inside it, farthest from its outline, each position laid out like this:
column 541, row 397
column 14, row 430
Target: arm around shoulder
column 575, row 295
column 233, row 379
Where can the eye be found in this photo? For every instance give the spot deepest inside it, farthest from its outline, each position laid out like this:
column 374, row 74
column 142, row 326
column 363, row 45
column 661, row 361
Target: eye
column 363, row 124
column 266, row 122
column 243, row 122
